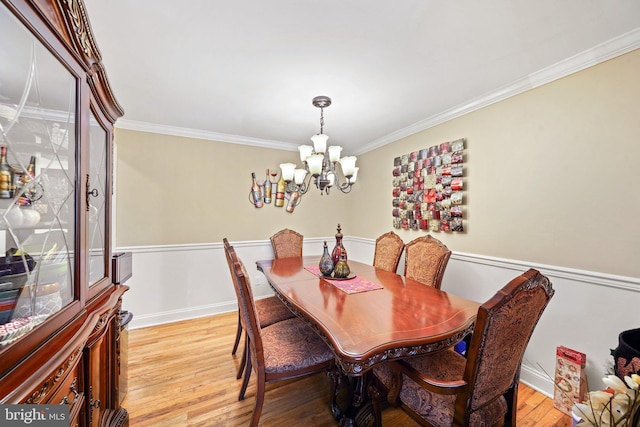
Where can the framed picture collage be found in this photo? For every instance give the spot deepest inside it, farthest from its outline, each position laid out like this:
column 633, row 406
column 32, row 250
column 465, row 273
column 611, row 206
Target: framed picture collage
column 428, row 188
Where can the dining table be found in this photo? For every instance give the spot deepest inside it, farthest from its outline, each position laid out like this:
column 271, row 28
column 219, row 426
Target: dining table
column 370, row 317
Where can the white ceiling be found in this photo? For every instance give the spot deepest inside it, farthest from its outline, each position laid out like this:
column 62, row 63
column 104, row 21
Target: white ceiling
column 246, row 70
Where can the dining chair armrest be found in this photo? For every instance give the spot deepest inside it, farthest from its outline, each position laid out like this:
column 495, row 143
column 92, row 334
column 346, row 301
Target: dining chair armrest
column 431, row 384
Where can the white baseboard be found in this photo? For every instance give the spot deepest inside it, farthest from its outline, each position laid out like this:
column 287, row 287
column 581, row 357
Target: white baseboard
column 537, row 379
column 161, row 318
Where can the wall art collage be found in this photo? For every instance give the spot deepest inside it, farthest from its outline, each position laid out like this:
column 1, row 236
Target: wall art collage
column 428, row 187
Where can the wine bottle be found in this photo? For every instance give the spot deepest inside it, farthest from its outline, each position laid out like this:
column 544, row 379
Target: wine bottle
column 280, row 189
column 29, row 193
column 274, row 183
column 267, row 188
column 255, row 189
column 5, row 175
column 31, row 167
column 293, row 201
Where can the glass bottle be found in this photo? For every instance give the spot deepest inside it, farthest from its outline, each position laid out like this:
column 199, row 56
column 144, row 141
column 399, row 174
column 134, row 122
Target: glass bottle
column 293, row 201
column 338, row 249
column 267, row 188
column 5, row 175
column 255, row 189
column 274, row 183
column 25, row 179
column 280, row 189
column 326, row 263
column 261, row 186
column 342, row 269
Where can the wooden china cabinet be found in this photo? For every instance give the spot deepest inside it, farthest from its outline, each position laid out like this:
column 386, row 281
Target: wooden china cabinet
column 59, row 323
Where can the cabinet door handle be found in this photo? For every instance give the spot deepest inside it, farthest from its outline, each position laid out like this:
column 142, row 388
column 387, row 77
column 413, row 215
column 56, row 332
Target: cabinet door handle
column 72, row 389
column 90, row 193
column 93, row 404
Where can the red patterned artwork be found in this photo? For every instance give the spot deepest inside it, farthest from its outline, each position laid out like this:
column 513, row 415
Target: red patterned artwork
column 428, row 188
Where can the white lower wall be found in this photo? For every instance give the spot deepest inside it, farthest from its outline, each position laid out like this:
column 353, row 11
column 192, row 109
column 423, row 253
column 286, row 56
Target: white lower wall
column 587, row 313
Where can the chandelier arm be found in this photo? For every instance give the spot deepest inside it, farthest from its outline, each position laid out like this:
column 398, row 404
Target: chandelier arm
column 338, row 180
column 345, row 188
column 306, row 184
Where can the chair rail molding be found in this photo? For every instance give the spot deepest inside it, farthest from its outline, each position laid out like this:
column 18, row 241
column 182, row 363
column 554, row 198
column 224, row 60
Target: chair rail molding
column 179, row 282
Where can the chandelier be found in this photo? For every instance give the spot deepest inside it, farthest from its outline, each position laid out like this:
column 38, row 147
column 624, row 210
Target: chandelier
column 319, row 162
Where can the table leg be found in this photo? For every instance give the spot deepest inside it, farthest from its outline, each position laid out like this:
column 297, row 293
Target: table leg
column 359, row 412
column 359, row 392
column 335, row 374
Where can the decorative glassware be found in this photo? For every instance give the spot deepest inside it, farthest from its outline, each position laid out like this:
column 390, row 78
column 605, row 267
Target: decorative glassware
column 338, row 249
column 342, row 268
column 326, row 263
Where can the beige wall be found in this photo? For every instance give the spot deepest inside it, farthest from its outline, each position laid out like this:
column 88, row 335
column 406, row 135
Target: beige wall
column 174, row 190
column 551, row 175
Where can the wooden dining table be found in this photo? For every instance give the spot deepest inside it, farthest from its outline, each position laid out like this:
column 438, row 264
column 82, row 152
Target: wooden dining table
column 379, row 316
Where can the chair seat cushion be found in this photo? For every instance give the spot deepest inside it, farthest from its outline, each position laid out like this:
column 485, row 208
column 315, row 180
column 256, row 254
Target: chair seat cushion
column 271, row 310
column 438, row 409
column 290, row 345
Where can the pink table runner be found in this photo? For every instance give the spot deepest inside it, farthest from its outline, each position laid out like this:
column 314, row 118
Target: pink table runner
column 351, row 286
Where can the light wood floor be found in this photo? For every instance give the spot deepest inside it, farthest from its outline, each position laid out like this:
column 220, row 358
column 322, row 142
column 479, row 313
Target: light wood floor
column 183, row 374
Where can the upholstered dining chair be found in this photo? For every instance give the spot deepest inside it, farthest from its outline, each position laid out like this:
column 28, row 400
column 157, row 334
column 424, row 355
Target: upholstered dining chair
column 284, row 350
column 425, row 260
column 270, row 311
column 389, row 247
column 444, row 388
column 287, row 243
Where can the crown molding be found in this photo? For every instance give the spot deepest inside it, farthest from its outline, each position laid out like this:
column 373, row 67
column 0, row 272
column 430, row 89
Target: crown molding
column 201, row 134
column 603, row 52
column 610, row 49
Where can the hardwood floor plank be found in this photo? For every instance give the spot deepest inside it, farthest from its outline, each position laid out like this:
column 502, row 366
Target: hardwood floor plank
column 183, row 374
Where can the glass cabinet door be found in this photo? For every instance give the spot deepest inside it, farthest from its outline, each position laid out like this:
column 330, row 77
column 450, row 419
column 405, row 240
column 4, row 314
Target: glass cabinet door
column 38, row 98
column 97, row 207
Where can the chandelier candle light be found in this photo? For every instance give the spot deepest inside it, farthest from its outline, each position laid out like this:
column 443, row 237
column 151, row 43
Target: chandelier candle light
column 320, row 162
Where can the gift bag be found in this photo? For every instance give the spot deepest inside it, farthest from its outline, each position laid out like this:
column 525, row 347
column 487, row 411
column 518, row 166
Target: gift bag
column 570, row 379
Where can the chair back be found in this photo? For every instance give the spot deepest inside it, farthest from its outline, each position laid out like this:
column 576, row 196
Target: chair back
column 287, row 244
column 389, row 248
column 502, row 331
column 230, row 255
column 425, row 260
column 228, row 249
column 246, row 304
